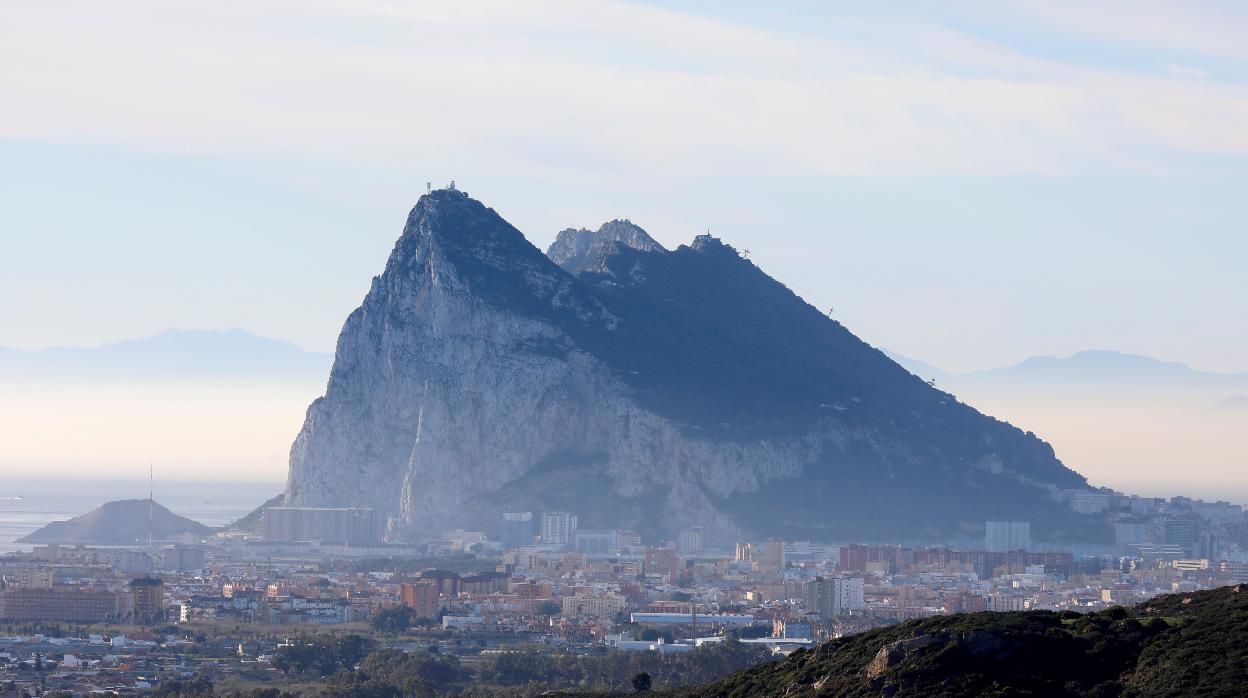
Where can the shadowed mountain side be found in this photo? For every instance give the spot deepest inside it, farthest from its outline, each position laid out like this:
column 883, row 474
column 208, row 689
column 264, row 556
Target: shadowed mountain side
column 682, row 388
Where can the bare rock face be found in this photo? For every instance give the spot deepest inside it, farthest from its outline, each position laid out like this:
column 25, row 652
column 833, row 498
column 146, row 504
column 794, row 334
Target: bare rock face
column 642, row 389
column 895, row 653
column 576, row 249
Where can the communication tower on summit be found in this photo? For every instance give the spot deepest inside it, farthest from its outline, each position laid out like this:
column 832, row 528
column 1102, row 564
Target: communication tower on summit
column 428, row 187
column 451, row 186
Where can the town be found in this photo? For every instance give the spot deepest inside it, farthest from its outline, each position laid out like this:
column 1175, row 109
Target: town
column 238, row 609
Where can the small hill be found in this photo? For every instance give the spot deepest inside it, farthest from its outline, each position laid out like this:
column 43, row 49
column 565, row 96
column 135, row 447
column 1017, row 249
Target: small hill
column 1175, row 645
column 252, row 520
column 123, row 522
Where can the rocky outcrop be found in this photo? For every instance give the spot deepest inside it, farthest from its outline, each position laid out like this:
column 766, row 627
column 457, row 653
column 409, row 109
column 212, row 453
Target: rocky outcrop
column 895, row 653
column 576, row 249
column 652, row 389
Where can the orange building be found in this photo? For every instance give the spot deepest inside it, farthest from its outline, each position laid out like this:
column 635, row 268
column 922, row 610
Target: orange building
column 421, row 597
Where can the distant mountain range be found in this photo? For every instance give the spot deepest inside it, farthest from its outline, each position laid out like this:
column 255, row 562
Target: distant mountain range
column 198, row 403
column 174, row 354
column 1088, row 370
column 187, row 354
column 1130, row 422
column 193, row 386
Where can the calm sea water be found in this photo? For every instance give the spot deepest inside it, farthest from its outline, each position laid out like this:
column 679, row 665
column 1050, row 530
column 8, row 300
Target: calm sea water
column 26, row 505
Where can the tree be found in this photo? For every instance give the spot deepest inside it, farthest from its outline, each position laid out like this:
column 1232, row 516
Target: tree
column 393, row 619
column 653, row 634
column 322, row 655
column 641, row 682
column 199, row 687
column 751, row 631
column 351, row 649
column 548, row 608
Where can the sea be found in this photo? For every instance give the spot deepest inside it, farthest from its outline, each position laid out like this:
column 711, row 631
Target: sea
column 27, row 505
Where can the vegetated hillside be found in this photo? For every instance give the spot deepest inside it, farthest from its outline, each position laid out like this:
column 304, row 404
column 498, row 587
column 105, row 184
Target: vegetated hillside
column 123, row 522
column 1175, row 645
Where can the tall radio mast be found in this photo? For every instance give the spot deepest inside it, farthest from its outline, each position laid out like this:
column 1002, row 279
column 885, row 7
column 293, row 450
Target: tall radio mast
column 151, row 502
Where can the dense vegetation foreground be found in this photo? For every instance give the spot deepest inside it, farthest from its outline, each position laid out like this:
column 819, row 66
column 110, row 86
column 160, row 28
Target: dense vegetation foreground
column 1174, row 645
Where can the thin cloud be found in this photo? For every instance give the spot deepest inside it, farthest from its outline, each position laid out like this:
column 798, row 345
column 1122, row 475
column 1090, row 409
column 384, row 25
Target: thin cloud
column 632, row 89
column 1182, row 71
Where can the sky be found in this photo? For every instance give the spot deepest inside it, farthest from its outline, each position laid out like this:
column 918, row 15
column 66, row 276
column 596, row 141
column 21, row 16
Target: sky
column 970, row 184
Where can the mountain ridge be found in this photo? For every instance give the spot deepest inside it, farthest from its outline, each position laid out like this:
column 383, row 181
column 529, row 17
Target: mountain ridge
column 655, row 390
column 1090, row 362
column 173, row 353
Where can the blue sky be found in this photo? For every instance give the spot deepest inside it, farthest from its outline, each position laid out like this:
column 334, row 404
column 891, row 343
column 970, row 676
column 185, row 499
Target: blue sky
column 969, row 184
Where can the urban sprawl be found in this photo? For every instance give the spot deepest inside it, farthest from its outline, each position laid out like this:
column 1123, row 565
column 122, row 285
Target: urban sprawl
column 127, row 620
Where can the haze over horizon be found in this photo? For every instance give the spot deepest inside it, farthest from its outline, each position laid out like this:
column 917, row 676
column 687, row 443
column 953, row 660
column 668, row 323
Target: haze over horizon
column 202, row 383
column 623, row 347
column 970, row 186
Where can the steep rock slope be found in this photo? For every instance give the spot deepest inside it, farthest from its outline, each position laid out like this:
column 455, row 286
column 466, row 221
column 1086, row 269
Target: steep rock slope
column 651, row 390
column 574, row 249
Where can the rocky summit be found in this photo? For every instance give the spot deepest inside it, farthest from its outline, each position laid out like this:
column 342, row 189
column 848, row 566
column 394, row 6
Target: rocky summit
column 646, row 389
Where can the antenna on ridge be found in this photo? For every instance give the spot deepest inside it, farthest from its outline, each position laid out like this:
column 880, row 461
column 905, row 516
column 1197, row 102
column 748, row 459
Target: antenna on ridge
column 428, row 187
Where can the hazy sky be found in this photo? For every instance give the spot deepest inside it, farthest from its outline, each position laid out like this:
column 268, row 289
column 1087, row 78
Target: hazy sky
column 969, row 185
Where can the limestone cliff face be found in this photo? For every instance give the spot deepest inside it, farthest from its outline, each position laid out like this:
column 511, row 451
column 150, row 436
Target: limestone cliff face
column 575, row 249
column 479, row 377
